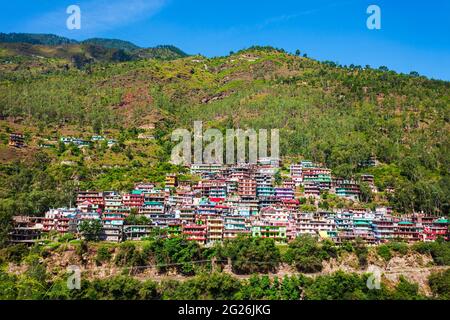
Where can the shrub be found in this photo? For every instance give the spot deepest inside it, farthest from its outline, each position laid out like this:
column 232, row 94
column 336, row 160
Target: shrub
column 67, row 237
column 361, row 252
column 305, row 254
column 405, row 290
column 399, row 247
column 130, row 256
column 439, row 251
column 15, row 253
column 103, row 255
column 177, row 253
column 251, row 254
column 440, row 284
column 384, row 252
column 36, row 268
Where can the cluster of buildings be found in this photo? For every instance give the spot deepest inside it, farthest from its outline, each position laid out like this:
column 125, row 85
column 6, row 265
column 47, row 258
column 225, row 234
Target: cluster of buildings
column 85, row 143
column 18, row 140
column 225, row 201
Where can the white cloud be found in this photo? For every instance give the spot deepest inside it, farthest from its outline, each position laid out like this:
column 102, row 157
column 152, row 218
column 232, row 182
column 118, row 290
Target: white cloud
column 97, row 16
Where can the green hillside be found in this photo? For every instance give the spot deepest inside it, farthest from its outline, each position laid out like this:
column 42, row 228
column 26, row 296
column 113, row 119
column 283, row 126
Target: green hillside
column 336, row 115
column 112, row 43
column 83, row 53
column 33, row 38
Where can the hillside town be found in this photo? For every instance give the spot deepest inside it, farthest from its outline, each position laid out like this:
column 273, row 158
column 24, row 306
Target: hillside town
column 225, row 201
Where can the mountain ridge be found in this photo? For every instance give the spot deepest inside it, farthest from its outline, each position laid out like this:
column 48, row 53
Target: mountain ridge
column 119, row 50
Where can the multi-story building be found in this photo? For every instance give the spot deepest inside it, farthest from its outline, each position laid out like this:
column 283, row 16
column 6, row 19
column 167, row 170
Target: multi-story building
column 296, row 173
column 362, row 227
column 136, row 232
column 195, row 232
column 271, row 230
column 151, row 208
column 347, row 189
column 271, row 223
column 214, row 229
column 55, row 220
column 311, row 189
column 112, row 201
column 383, row 229
column 25, row 229
column 406, row 230
column 218, row 189
column 308, row 223
column 144, row 187
column 174, row 229
column 264, row 186
column 112, row 232
column 320, row 177
column 284, row 193
column 93, row 197
column 235, row 225
column 16, row 140
column 247, row 188
column 134, row 199
column 171, row 180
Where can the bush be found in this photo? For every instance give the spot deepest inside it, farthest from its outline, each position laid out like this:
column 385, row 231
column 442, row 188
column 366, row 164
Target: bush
column 103, row 255
column 250, row 254
column 262, row 287
column 361, row 252
column 440, row 284
column 405, row 290
column 399, row 247
column 82, row 250
column 439, row 251
column 14, row 253
column 306, row 255
column 337, row 286
column 177, row 253
column 36, row 268
column 149, row 291
column 67, row 237
column 205, row 286
column 384, row 252
column 130, row 256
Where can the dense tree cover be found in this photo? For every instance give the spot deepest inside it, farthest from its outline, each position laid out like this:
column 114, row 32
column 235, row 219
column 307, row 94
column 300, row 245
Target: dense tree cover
column 185, row 257
column 439, row 250
column 440, row 284
column 205, row 280
column 220, row 286
column 250, row 254
column 35, row 187
column 306, row 254
column 130, row 255
column 177, row 253
column 33, row 38
column 386, row 250
column 343, row 286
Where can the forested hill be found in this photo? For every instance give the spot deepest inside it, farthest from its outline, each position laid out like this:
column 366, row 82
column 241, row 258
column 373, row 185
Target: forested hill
column 112, row 43
column 35, row 38
column 336, row 115
column 83, row 52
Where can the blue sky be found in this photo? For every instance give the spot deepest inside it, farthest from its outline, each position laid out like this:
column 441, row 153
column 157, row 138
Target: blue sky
column 414, row 35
